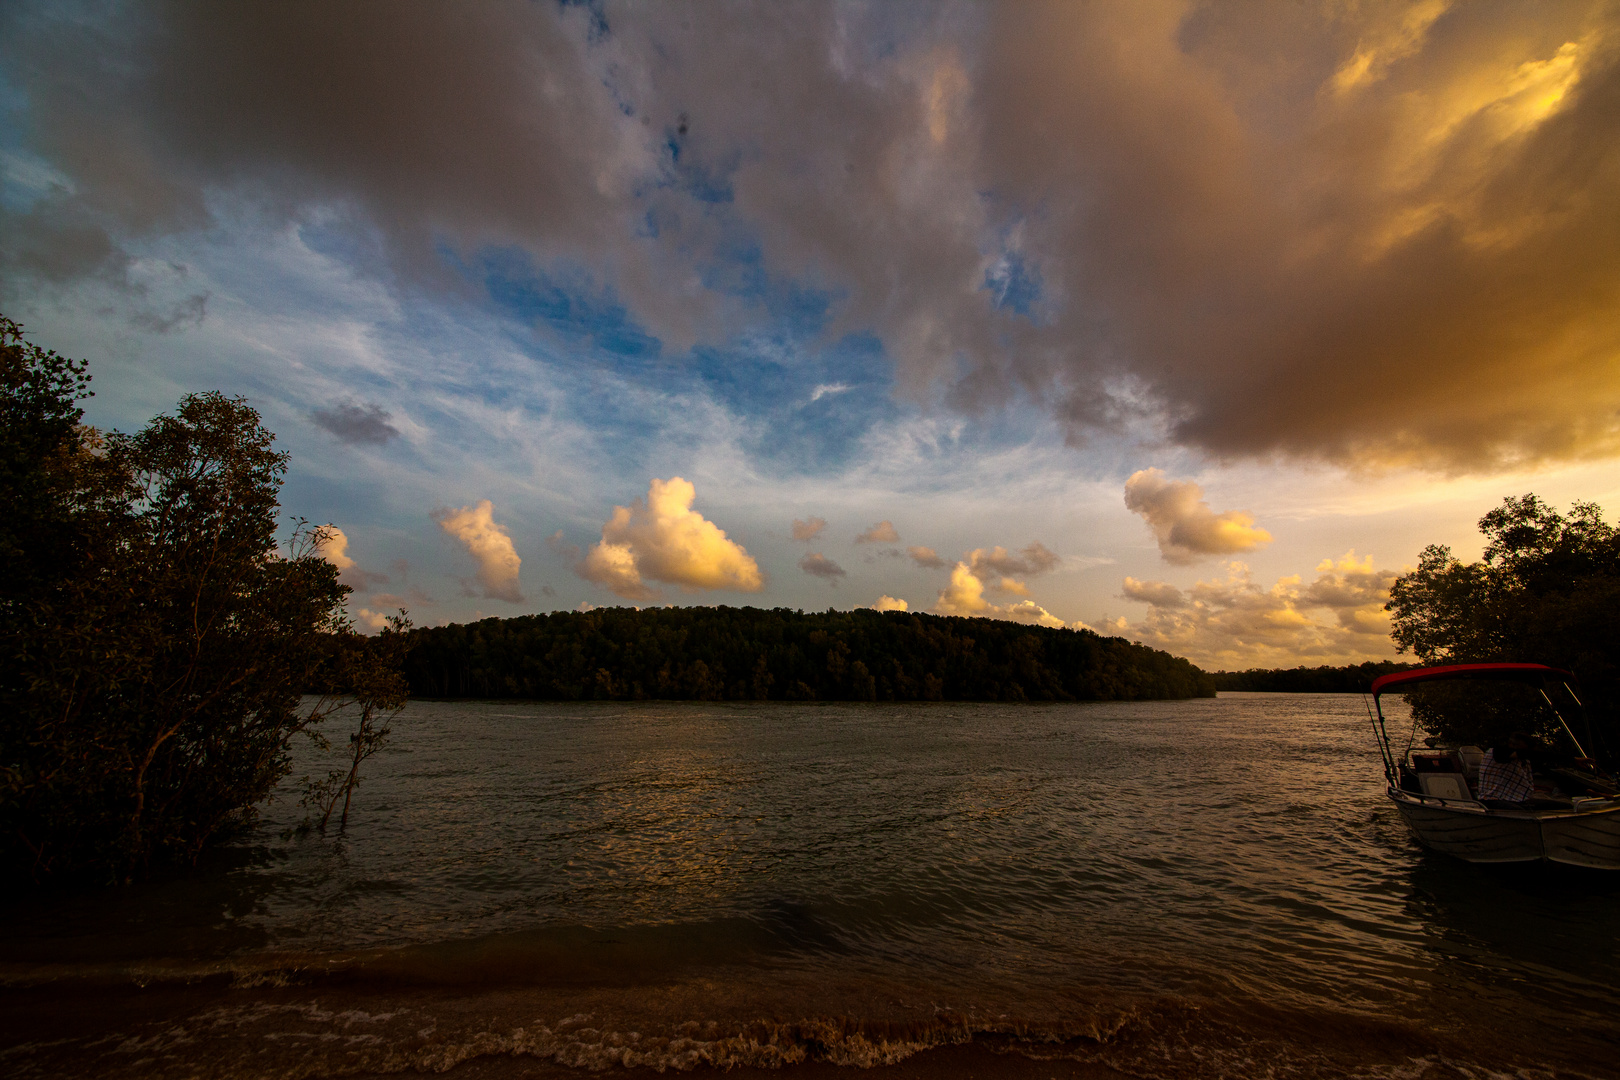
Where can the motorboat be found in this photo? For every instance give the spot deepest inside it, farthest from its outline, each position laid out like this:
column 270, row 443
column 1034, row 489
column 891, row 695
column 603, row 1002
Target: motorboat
column 1572, row 818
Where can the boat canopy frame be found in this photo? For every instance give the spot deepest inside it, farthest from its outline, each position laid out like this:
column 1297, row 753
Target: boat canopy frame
column 1538, row 675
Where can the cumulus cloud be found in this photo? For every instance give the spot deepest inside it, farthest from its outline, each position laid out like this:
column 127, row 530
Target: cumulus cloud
column 925, row 557
column 664, row 539
column 881, row 533
column 1186, row 528
column 1369, row 233
column 808, row 530
column 1037, row 558
column 822, row 567
column 366, row 425
column 1160, row 594
column 889, row 603
column 964, row 595
column 489, row 545
column 1355, row 592
column 371, row 622
column 333, row 546
column 1237, row 623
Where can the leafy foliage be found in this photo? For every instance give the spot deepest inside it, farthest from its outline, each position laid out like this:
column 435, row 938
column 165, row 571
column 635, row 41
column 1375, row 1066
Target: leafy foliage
column 1546, row 591
column 366, row 676
column 725, row 653
column 154, row 646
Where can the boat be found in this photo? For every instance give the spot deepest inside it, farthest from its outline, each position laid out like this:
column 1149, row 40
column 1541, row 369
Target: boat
column 1574, row 818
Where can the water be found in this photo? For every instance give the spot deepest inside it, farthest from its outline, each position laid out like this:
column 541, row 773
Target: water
column 1198, row 888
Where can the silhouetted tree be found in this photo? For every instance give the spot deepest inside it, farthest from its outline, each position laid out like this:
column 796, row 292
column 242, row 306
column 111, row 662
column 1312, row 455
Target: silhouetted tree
column 1546, row 591
column 154, row 646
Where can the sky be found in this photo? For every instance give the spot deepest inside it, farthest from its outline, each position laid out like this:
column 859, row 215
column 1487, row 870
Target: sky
column 1188, row 322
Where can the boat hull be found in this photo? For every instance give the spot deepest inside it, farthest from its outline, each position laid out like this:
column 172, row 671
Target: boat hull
column 1589, row 838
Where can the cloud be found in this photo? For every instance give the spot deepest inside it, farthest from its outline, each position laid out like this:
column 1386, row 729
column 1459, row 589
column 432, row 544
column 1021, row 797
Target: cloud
column 1187, row 529
column 889, row 603
column 925, row 557
column 333, row 546
column 1373, row 234
column 561, row 547
column 993, row 568
column 822, row 567
column 1237, row 623
column 1036, row 558
column 965, row 596
column 1158, row 593
column 664, row 539
column 881, row 533
column 824, row 389
column 1355, row 592
column 371, row 622
column 489, row 545
column 359, row 425
column 808, row 530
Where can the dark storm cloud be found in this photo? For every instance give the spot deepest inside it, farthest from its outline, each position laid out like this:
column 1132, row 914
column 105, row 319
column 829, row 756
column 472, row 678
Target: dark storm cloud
column 1373, row 233
column 358, row 424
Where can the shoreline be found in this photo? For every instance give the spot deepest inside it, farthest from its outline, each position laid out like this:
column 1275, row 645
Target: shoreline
column 973, row 1060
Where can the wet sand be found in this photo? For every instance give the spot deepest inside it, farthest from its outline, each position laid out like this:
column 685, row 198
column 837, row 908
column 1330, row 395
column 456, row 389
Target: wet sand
column 972, row 1061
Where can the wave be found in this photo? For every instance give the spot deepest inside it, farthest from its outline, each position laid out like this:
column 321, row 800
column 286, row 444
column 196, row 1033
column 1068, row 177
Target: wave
column 296, row 1024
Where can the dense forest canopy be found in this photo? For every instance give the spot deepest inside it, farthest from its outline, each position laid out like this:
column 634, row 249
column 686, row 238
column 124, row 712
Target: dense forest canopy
column 725, row 653
column 1546, row 591
column 1349, row 679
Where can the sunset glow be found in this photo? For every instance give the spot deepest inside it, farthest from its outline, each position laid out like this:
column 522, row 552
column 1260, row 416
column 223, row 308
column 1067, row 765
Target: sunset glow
column 1188, row 323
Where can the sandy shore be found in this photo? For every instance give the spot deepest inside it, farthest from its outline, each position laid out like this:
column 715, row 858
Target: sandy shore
column 971, row 1061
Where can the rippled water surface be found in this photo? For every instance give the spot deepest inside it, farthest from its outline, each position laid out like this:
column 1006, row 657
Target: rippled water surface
column 1211, row 887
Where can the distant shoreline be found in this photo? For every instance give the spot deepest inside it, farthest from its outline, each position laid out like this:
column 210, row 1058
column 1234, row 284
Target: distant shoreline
column 751, row 654
column 1349, row 679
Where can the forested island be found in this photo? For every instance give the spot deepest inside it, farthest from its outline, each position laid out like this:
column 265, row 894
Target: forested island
column 1349, row 679
column 750, row 654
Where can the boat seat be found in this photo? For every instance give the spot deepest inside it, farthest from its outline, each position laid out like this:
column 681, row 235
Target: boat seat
column 1448, row 786
column 1471, row 757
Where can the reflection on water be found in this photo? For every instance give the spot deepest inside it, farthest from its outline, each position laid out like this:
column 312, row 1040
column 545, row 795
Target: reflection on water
column 1053, row 866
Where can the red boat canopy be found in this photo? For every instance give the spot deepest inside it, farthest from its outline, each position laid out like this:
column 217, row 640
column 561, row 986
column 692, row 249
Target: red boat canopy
column 1517, row 672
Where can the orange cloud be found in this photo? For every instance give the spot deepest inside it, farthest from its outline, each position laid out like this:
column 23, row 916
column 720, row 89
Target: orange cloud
column 1236, row 623
column 808, row 530
column 489, row 545
column 964, row 595
column 1186, row 528
column 664, row 539
column 881, row 533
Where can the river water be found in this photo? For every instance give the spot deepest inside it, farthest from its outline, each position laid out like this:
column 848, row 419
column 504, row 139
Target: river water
column 1193, row 888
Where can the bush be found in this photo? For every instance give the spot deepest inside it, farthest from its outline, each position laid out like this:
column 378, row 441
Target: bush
column 155, row 644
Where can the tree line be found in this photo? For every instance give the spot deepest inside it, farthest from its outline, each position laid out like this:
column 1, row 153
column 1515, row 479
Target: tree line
column 750, row 654
column 1327, row 679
